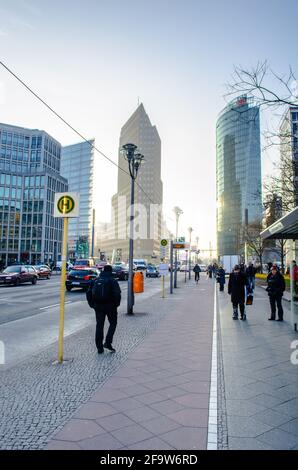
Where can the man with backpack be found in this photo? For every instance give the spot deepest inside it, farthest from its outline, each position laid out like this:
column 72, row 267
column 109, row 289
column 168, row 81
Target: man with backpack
column 197, row 271
column 104, row 295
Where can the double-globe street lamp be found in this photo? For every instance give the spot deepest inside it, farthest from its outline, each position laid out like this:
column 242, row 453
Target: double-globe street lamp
column 190, row 230
column 177, row 211
column 134, row 159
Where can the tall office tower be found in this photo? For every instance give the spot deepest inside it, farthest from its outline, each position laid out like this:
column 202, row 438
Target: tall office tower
column 138, row 130
column 80, row 167
column 238, row 173
column 289, row 158
column 29, row 178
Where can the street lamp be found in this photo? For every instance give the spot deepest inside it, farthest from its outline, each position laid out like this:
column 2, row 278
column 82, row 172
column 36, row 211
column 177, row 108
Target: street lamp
column 134, row 160
column 197, row 240
column 177, row 211
column 190, row 230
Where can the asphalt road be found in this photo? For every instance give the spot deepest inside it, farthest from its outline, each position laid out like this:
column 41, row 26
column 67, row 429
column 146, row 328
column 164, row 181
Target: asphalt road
column 29, row 315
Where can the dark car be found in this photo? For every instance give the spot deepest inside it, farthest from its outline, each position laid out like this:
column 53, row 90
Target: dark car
column 18, row 274
column 81, row 278
column 43, row 271
column 120, row 271
column 152, row 271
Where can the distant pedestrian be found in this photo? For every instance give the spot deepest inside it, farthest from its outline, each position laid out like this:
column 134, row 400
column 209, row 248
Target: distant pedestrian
column 197, row 271
column 236, row 289
column 251, row 278
column 221, row 278
column 104, row 295
column 269, row 267
column 275, row 289
column 210, row 270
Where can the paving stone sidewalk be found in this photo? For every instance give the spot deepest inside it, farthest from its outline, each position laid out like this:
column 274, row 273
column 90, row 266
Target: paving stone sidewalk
column 260, row 382
column 159, row 398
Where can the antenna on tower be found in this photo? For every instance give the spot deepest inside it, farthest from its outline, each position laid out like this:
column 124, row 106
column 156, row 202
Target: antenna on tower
column 138, row 101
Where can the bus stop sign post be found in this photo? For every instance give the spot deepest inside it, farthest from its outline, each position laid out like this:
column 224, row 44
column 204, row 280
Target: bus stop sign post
column 66, row 205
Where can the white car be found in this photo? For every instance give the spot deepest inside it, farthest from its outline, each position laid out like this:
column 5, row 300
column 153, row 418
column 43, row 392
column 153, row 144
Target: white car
column 203, row 267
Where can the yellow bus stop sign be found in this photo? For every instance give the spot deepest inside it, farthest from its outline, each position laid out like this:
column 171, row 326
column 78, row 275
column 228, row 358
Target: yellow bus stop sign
column 164, row 242
column 66, row 205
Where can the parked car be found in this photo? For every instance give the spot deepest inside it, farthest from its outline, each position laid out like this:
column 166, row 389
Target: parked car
column 120, row 271
column 140, row 264
column 101, row 264
column 43, row 271
column 184, row 267
column 203, row 267
column 18, row 274
column 152, row 271
column 81, row 278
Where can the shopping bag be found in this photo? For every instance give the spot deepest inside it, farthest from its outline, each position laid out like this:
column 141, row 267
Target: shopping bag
column 249, row 299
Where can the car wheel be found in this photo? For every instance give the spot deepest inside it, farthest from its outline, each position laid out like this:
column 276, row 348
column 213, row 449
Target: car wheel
column 34, row 281
column 17, row 282
column 68, row 288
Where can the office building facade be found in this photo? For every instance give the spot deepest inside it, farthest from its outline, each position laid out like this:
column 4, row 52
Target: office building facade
column 80, row 168
column 29, row 179
column 238, row 174
column 138, row 130
column 289, row 158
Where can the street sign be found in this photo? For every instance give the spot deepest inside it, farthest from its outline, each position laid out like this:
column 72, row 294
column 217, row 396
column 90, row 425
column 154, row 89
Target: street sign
column 163, row 269
column 66, row 205
column 164, row 242
column 180, row 240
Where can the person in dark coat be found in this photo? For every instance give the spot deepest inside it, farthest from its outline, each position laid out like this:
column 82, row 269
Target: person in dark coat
column 209, row 270
column 197, row 271
column 275, row 289
column 251, row 277
column 221, row 278
column 236, row 289
column 107, row 308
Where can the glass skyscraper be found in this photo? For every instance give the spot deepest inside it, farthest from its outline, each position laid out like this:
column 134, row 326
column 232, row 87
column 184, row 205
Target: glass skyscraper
column 238, row 173
column 80, row 168
column 29, row 178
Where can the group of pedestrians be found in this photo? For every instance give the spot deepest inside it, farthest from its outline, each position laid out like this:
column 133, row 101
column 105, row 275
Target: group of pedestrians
column 242, row 284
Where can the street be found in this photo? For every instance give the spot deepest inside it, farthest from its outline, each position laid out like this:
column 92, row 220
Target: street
column 29, row 315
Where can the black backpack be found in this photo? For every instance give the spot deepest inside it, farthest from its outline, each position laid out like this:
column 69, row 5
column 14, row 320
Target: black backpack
column 102, row 291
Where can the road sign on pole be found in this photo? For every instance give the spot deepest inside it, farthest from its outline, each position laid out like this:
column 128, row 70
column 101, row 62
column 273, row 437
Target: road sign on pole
column 66, row 205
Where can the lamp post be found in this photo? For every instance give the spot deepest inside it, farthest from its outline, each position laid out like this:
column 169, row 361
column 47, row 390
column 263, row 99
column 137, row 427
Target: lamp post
column 197, row 240
column 134, row 160
column 177, row 211
column 190, row 230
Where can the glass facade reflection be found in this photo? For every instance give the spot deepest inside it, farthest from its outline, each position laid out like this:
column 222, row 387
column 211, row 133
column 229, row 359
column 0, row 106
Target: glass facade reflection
column 238, row 173
column 81, row 170
column 29, row 178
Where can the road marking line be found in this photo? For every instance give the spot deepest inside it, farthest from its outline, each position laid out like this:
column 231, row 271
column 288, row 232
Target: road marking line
column 54, row 305
column 212, row 423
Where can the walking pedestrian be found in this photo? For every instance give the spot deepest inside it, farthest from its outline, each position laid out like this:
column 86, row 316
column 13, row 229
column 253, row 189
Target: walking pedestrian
column 275, row 289
column 104, row 295
column 210, row 269
column 251, row 278
column 197, row 271
column 236, row 289
column 221, row 278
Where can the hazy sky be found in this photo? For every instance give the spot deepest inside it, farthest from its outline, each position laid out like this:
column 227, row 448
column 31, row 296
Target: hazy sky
column 92, row 59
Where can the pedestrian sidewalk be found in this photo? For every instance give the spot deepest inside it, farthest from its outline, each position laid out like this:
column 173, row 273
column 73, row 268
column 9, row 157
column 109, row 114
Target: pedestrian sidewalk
column 259, row 390
column 159, row 397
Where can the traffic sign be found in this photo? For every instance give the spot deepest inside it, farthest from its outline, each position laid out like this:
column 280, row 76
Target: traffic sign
column 181, row 246
column 163, row 269
column 66, row 205
column 164, row 242
column 180, row 240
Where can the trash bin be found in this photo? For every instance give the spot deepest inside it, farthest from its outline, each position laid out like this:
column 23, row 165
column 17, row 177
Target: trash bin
column 138, row 282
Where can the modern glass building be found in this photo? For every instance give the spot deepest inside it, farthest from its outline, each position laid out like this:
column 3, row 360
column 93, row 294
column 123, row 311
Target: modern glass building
column 238, row 173
column 80, row 168
column 289, row 157
column 29, row 178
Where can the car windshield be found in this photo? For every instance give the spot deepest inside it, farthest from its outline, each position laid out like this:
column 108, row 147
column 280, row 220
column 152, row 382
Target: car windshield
column 82, row 262
column 117, row 267
column 82, row 272
column 12, row 269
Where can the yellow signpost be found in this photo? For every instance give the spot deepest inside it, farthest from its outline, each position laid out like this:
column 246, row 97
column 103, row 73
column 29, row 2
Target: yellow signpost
column 66, row 205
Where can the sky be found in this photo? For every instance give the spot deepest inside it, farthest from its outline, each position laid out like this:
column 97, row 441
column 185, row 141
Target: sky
column 93, row 60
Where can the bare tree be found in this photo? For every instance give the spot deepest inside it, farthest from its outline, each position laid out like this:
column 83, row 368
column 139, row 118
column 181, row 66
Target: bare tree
column 257, row 82
column 251, row 234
